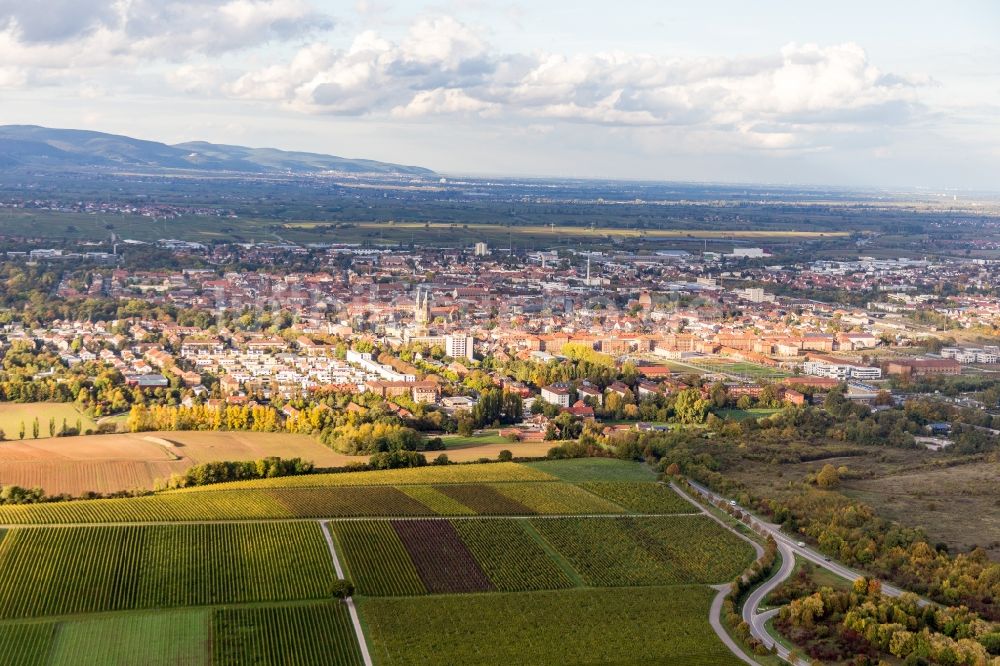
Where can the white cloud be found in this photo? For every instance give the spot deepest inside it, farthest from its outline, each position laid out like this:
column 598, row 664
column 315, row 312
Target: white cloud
column 442, row 67
column 71, row 34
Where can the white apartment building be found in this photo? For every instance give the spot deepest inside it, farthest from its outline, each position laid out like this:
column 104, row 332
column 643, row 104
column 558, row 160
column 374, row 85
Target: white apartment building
column 459, row 346
column 840, row 370
column 989, row 354
column 556, row 395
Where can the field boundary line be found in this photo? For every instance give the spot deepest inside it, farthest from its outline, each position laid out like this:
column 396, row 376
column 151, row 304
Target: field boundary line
column 557, row 557
column 351, row 608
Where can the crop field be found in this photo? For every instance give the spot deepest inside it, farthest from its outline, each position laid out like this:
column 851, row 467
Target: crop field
column 142, row 461
column 577, row 470
column 314, row 634
column 349, row 501
column 70, row 570
column 152, row 639
column 437, row 501
column 376, row 558
column 443, row 562
column 641, row 497
column 13, row 414
column 511, row 498
column 512, row 560
column 647, row 551
column 24, row 644
column 130, row 461
column 556, row 498
column 485, row 500
column 485, row 473
column 546, row 628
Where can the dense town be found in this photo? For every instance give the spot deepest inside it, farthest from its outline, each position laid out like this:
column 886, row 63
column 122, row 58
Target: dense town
column 437, row 327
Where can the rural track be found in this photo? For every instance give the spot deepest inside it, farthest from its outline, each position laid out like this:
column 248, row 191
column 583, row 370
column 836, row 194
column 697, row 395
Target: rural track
column 715, row 619
column 715, row 611
column 243, row 521
column 366, row 656
column 789, row 549
column 807, row 553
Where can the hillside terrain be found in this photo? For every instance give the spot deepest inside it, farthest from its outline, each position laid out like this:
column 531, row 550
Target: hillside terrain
column 33, row 147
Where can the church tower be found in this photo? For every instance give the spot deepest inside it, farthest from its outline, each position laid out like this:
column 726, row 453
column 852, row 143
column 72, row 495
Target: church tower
column 422, row 308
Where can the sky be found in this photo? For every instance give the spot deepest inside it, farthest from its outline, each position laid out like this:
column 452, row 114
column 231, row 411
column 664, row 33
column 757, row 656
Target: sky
column 873, row 94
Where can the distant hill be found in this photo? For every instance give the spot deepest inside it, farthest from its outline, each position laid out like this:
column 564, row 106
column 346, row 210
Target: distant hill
column 34, row 147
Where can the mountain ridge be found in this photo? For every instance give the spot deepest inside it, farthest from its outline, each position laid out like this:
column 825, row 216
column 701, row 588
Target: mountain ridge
column 45, row 148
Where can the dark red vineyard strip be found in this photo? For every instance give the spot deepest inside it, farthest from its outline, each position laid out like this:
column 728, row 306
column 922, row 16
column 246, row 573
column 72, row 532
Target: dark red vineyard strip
column 348, row 502
column 485, row 501
column 442, row 560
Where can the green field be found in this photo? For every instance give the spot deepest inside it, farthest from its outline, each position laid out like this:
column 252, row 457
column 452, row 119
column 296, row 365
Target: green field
column 744, row 414
column 308, row 635
column 26, row 644
column 245, row 574
column 510, row 498
column 72, row 570
column 375, row 558
column 612, row 552
column 743, row 369
column 634, row 626
column 576, row 470
column 641, row 497
column 13, row 414
column 474, row 473
column 513, row 560
column 357, row 228
column 311, row 633
column 556, row 498
column 479, row 439
column 156, row 639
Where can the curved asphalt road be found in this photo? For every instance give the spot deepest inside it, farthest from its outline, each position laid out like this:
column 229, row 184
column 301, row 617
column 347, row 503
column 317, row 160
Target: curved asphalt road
column 789, row 549
column 804, row 552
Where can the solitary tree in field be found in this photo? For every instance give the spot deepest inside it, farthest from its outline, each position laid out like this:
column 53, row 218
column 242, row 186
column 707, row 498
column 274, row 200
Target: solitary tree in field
column 20, row 433
column 52, row 426
column 828, row 477
column 35, row 428
column 342, row 588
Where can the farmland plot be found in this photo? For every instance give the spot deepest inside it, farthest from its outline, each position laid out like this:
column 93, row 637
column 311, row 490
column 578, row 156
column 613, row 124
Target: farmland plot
column 376, row 559
column 151, row 639
column 350, row 501
column 444, row 563
column 304, row 635
column 238, row 505
column 647, row 550
column 548, row 628
column 513, row 560
column 485, row 500
column 24, row 644
column 641, row 497
column 90, row 569
column 555, row 498
column 435, row 474
column 436, row 501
